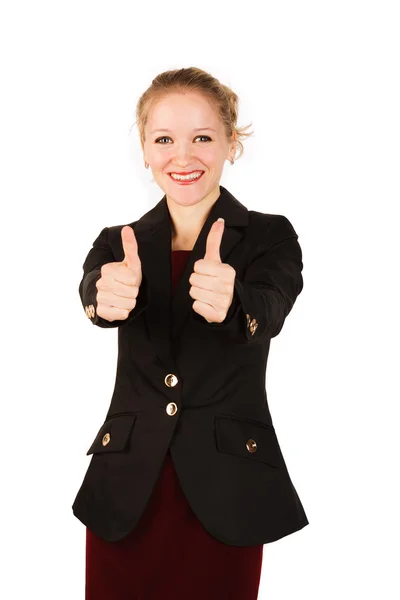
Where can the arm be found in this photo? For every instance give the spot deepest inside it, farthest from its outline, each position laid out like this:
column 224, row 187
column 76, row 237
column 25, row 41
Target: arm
column 268, row 291
column 101, row 254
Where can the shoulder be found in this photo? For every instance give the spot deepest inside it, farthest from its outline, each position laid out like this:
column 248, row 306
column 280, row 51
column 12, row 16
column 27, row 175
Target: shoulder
column 268, row 229
column 114, row 231
column 111, row 235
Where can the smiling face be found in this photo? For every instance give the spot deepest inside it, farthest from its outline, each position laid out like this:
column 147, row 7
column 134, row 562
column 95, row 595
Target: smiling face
column 183, row 135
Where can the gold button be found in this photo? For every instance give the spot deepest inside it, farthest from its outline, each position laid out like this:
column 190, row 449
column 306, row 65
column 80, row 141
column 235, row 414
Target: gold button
column 106, row 439
column 171, row 408
column 251, row 324
column 90, row 311
column 251, row 445
column 171, row 380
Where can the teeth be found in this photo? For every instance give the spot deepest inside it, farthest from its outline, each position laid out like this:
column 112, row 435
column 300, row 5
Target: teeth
column 186, row 177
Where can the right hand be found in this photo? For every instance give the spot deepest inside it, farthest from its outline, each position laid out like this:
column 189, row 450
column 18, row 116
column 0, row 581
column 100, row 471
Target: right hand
column 119, row 284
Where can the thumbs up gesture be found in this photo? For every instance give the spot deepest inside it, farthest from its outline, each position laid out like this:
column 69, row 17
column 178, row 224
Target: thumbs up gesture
column 212, row 282
column 119, row 284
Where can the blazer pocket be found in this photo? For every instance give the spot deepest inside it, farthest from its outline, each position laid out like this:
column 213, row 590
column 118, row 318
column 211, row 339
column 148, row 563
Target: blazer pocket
column 113, row 435
column 247, row 438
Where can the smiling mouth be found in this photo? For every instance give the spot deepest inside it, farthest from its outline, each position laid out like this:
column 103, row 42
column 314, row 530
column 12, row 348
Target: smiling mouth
column 186, row 178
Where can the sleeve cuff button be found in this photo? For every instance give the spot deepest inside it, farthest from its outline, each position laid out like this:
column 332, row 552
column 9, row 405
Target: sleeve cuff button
column 89, row 310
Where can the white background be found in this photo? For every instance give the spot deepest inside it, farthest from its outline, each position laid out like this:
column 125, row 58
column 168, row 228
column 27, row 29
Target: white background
column 319, row 81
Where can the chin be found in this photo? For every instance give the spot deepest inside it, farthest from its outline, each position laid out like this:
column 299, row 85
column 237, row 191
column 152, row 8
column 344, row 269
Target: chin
column 186, row 194
column 186, row 200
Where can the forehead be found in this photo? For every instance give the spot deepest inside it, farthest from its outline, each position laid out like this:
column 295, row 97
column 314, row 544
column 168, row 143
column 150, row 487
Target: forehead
column 182, row 111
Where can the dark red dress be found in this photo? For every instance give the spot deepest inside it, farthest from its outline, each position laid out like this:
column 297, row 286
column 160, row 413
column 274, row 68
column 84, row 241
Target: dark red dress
column 169, row 555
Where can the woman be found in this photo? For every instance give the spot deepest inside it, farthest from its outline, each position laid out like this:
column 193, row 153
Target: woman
column 187, row 480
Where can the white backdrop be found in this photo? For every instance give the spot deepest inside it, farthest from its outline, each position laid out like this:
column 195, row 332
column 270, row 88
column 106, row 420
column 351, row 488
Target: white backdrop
column 320, row 83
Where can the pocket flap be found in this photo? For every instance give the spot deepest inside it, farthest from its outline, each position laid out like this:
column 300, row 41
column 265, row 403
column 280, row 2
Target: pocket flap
column 113, row 435
column 247, row 438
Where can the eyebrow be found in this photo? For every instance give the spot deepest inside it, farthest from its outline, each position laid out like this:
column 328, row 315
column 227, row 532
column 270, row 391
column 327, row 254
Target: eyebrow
column 198, row 129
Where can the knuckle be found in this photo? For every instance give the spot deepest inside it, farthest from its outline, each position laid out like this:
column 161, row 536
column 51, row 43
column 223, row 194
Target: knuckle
column 100, row 282
column 100, row 312
column 124, row 313
column 101, row 296
column 105, row 268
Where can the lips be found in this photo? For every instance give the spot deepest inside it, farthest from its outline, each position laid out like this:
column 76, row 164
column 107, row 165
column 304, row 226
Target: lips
column 187, row 181
column 186, row 172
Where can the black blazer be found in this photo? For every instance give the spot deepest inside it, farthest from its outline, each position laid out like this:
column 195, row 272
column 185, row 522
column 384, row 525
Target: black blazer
column 195, row 387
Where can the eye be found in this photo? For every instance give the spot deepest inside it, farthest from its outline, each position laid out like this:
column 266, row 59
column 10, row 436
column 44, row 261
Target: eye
column 166, row 137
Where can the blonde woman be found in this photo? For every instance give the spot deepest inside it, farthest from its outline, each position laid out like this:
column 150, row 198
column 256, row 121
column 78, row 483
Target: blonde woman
column 187, row 480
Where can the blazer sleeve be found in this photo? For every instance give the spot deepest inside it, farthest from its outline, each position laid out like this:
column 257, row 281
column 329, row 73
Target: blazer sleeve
column 266, row 294
column 99, row 255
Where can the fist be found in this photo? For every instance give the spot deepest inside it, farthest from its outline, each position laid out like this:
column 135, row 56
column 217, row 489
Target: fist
column 119, row 284
column 212, row 282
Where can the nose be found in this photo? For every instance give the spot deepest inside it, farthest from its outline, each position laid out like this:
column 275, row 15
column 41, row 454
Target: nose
column 183, row 154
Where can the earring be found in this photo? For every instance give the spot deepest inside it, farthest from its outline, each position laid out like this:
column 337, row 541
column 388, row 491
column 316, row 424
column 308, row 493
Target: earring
column 231, row 161
column 146, row 165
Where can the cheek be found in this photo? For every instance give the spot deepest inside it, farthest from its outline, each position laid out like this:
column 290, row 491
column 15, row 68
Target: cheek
column 159, row 160
column 210, row 156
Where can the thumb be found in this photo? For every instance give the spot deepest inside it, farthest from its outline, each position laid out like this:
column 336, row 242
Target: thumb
column 214, row 238
column 130, row 247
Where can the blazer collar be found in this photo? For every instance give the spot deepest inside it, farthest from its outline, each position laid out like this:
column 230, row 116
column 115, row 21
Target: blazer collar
column 166, row 314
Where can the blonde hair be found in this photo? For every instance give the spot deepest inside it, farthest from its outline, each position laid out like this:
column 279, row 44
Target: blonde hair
column 223, row 99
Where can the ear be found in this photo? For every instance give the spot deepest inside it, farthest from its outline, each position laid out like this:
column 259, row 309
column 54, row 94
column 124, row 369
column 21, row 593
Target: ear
column 233, row 146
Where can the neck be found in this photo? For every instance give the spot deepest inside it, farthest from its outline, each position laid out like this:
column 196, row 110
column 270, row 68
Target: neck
column 187, row 221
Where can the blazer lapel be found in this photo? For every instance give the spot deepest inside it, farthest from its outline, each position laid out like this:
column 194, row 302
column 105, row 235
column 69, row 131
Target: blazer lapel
column 166, row 314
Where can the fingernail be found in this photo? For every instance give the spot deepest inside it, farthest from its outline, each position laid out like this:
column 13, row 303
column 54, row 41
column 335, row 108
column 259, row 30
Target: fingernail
column 221, row 219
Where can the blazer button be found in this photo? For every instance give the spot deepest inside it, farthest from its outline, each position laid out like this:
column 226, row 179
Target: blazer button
column 171, row 408
column 171, row 380
column 251, row 324
column 106, row 439
column 251, row 445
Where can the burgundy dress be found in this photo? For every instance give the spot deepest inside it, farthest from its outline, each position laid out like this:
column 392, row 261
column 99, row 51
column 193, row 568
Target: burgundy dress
column 169, row 555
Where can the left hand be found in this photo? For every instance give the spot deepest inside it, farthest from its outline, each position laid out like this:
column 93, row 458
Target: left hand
column 212, row 282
